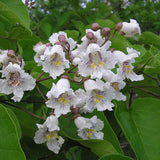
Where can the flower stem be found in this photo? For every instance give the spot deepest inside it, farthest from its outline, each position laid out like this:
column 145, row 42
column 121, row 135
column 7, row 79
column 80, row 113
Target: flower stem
column 15, row 106
column 41, row 93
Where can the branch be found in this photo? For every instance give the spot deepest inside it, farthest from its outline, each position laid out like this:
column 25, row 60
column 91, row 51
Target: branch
column 15, row 106
column 149, row 92
column 152, row 78
column 41, row 93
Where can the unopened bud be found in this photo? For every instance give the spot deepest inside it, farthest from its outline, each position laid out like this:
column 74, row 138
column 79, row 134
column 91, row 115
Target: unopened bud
column 118, row 26
column 105, row 31
column 76, row 110
column 90, row 35
column 19, row 57
column 95, row 26
column 64, row 77
column 77, row 77
column 62, row 38
column 11, row 53
column 112, row 50
column 48, row 44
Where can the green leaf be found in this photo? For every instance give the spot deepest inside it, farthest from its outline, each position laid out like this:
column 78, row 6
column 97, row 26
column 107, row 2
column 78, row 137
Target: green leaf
column 9, row 139
column 140, row 124
column 72, row 33
column 106, row 23
column 150, row 39
column 115, row 157
column 99, row 147
column 15, row 11
column 120, row 43
column 19, row 133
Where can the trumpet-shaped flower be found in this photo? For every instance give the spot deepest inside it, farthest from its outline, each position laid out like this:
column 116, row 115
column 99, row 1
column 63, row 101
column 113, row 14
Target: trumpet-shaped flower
column 16, row 81
column 39, row 48
column 89, row 128
column 54, row 61
column 61, row 97
column 96, row 61
column 48, row 132
column 116, row 84
column 125, row 69
column 99, row 96
column 130, row 29
column 54, row 39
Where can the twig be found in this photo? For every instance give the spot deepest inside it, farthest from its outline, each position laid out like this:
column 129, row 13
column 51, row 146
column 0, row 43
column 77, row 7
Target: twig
column 41, row 93
column 149, row 92
column 152, row 78
column 26, row 101
column 15, row 106
column 43, row 79
column 40, row 76
column 130, row 99
column 46, row 157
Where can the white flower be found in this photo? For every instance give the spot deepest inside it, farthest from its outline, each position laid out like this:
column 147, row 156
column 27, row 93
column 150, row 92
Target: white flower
column 16, row 81
column 80, row 99
column 54, row 38
column 130, row 29
column 48, row 132
column 39, row 48
column 54, row 61
column 89, row 128
column 61, row 97
column 4, row 59
column 96, row 61
column 80, row 51
column 125, row 69
column 116, row 83
column 99, row 96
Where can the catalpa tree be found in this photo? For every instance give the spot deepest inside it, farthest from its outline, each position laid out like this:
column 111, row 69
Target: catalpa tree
column 91, row 94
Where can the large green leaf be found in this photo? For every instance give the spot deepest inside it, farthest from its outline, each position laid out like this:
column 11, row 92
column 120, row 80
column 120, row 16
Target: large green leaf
column 140, row 125
column 115, row 157
column 150, row 39
column 15, row 11
column 9, row 139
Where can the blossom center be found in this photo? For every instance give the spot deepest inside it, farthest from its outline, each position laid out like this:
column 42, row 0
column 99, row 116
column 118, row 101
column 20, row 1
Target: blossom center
column 126, row 67
column 115, row 85
column 14, row 79
column 89, row 132
column 96, row 60
column 63, row 99
column 53, row 135
column 56, row 60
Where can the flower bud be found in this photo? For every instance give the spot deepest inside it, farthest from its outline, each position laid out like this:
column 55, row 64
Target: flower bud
column 62, row 38
column 112, row 50
column 105, row 31
column 130, row 29
column 90, row 35
column 48, row 44
column 64, row 77
column 119, row 26
column 76, row 110
column 11, row 53
column 77, row 77
column 95, row 26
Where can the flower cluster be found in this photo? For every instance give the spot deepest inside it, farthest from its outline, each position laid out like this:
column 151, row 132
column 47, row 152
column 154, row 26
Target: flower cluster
column 91, row 65
column 14, row 79
column 98, row 69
